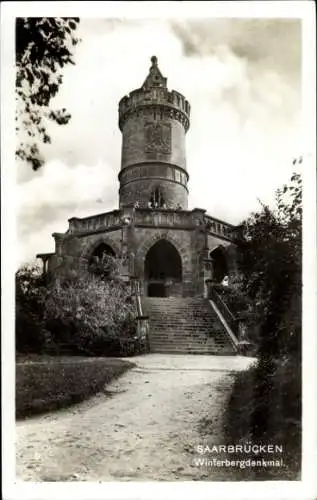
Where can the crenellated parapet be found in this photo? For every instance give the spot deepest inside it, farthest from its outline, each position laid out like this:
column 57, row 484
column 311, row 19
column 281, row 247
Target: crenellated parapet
column 157, row 103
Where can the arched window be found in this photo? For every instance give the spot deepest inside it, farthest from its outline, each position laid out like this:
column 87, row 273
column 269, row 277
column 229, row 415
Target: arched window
column 157, row 199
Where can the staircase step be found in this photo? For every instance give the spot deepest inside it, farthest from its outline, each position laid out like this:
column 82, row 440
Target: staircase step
column 185, row 326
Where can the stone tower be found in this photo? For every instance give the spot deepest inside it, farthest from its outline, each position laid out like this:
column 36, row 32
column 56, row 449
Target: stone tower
column 153, row 122
column 170, row 249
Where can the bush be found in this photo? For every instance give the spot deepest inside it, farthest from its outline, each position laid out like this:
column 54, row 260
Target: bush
column 49, row 384
column 266, row 400
column 86, row 311
column 265, row 407
column 81, row 314
column 236, row 301
column 31, row 334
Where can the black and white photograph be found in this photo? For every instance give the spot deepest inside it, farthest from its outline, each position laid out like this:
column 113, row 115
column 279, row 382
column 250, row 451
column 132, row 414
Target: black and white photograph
column 158, row 218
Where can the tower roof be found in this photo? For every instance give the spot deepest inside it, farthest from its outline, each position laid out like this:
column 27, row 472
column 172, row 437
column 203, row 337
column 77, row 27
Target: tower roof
column 155, row 77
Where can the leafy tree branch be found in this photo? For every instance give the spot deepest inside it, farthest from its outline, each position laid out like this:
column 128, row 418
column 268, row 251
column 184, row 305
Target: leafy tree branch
column 43, row 49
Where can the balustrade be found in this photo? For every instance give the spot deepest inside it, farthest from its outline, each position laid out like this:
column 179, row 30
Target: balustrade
column 219, row 227
column 102, row 221
column 157, row 217
column 150, row 217
column 142, row 321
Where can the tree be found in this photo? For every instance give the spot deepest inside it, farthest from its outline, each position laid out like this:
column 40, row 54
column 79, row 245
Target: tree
column 43, row 48
column 270, row 263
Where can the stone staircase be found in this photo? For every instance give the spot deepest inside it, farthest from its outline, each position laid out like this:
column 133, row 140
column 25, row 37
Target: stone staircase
column 185, row 326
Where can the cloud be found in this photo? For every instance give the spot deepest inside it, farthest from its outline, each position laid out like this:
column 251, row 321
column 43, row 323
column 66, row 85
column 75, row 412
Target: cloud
column 273, row 42
column 47, row 202
column 242, row 80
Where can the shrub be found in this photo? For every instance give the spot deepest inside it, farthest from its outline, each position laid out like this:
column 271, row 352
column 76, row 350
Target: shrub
column 79, row 314
column 266, row 400
column 89, row 314
column 31, row 334
column 236, row 301
column 266, row 408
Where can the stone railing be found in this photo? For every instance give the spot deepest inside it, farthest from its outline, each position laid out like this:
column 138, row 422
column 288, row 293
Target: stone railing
column 218, row 227
column 142, row 321
column 231, row 320
column 237, row 323
column 150, row 217
column 95, row 222
column 160, row 217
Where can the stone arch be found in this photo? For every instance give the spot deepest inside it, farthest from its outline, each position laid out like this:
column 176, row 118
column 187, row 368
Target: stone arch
column 163, row 270
column 92, row 246
column 183, row 251
column 220, row 263
column 149, row 242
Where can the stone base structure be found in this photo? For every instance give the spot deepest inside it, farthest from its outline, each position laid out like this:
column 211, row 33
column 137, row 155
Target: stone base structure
column 171, row 252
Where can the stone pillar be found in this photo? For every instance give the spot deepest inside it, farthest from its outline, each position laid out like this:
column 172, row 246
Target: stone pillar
column 199, row 246
column 127, row 242
column 59, row 239
column 198, row 216
column 44, row 263
column 208, row 284
column 207, row 275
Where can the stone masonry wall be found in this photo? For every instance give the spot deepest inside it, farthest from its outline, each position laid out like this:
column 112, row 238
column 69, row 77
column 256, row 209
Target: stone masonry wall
column 140, row 190
column 138, row 132
column 73, row 252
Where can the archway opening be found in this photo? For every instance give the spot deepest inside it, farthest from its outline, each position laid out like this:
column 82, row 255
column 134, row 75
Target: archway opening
column 163, row 270
column 219, row 264
column 102, row 261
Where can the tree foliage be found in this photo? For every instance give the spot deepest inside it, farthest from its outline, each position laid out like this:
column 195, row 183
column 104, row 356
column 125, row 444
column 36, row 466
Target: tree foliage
column 105, row 266
column 83, row 311
column 30, row 331
column 270, row 245
column 90, row 303
column 43, row 48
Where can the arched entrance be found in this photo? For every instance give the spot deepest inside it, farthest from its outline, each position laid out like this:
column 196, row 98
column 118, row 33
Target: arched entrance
column 219, row 264
column 163, row 270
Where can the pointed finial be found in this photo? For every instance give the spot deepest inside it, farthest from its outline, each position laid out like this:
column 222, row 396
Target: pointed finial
column 154, row 61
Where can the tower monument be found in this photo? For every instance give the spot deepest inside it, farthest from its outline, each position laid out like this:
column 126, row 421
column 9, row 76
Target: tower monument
column 171, row 250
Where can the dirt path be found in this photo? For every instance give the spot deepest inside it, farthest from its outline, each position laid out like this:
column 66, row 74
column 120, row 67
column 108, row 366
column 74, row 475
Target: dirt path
column 145, row 427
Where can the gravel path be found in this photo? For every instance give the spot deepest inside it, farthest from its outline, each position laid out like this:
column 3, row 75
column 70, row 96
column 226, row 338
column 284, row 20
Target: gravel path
column 146, row 426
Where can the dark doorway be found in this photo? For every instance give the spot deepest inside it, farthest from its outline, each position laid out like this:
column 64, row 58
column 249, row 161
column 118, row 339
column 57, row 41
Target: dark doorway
column 163, row 269
column 157, row 289
column 220, row 266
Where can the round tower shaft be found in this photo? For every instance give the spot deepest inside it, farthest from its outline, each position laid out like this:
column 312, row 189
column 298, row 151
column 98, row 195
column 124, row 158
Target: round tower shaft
column 154, row 122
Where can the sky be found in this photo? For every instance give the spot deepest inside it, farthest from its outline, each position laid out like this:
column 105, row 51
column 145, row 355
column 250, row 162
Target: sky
column 242, row 78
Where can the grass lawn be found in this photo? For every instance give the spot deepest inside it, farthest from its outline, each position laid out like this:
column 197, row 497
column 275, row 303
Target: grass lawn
column 45, row 383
